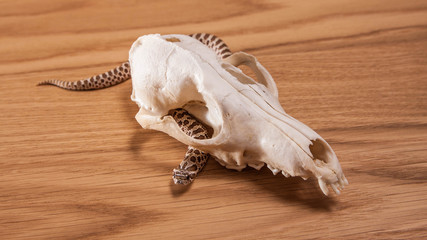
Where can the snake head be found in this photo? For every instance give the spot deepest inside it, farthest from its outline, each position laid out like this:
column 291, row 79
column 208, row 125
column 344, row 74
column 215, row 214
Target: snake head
column 184, row 177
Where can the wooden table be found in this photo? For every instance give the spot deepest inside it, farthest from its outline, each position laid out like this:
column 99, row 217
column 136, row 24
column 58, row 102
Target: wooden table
column 76, row 165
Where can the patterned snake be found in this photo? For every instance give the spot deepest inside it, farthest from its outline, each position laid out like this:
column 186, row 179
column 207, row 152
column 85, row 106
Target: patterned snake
column 194, row 159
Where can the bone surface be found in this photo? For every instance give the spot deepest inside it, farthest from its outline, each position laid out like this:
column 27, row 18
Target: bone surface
column 250, row 128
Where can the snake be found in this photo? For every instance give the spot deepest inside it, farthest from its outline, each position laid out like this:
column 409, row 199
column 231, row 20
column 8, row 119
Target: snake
column 195, row 159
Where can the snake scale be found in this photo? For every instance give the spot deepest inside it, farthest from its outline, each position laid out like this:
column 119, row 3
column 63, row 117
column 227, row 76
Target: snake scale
column 194, row 159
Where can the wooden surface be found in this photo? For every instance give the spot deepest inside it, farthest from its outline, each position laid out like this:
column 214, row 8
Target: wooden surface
column 76, row 165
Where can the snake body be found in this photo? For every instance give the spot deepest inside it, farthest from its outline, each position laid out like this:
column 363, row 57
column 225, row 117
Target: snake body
column 104, row 80
column 194, row 159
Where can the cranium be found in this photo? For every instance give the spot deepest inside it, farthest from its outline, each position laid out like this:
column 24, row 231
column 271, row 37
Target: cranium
column 250, row 128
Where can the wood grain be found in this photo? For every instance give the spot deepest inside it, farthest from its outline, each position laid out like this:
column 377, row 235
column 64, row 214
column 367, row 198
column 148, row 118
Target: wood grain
column 76, row 165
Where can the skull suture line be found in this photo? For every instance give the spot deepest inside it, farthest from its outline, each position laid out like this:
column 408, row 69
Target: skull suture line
column 250, row 128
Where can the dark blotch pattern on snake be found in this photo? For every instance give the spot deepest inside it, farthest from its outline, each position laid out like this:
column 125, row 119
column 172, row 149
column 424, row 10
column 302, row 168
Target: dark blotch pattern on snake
column 194, row 159
column 104, row 80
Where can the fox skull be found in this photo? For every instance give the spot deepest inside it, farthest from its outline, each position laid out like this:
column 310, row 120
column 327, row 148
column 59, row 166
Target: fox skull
column 250, row 128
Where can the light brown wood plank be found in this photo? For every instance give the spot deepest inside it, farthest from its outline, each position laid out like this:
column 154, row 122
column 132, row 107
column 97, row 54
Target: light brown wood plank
column 76, row 165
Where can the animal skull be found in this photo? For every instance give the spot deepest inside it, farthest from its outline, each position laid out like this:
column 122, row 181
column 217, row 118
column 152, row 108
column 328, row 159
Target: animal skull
column 250, row 128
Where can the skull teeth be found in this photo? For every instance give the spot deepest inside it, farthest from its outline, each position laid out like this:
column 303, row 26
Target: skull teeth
column 273, row 170
column 286, row 174
column 345, row 180
column 256, row 166
column 323, row 186
column 335, row 188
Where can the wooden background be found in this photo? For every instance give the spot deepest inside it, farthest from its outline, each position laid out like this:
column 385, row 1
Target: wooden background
column 76, row 165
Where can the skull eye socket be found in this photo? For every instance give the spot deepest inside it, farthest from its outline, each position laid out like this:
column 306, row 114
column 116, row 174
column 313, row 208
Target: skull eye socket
column 243, row 78
column 248, row 71
column 262, row 75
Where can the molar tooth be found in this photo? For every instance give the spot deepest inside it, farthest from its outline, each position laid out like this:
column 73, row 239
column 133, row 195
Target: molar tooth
column 323, row 186
column 256, row 166
column 285, row 174
column 235, row 167
column 273, row 170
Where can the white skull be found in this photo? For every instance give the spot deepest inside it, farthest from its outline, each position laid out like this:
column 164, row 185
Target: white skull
column 249, row 125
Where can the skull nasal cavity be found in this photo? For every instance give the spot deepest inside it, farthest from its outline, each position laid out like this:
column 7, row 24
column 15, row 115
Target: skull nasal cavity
column 319, row 150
